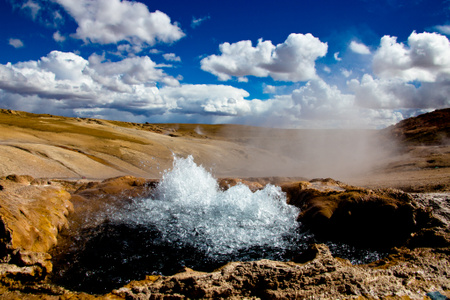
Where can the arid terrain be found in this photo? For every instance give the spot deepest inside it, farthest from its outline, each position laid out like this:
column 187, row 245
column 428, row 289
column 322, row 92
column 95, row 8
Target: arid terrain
column 413, row 155
column 372, row 209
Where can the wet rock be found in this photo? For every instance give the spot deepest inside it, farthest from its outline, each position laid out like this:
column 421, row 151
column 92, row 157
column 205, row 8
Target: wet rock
column 323, row 277
column 92, row 199
column 15, row 272
column 334, row 211
column 433, row 220
column 226, row 183
column 31, row 217
column 125, row 186
column 25, row 258
column 329, row 208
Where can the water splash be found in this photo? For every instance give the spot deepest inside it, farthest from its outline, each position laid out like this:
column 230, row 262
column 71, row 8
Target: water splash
column 188, row 221
column 189, row 209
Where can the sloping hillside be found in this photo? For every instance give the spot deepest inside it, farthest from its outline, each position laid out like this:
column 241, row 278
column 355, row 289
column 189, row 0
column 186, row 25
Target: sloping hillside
column 427, row 129
column 60, row 147
column 47, row 146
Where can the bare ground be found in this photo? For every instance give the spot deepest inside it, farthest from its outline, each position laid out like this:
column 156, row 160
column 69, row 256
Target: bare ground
column 46, row 146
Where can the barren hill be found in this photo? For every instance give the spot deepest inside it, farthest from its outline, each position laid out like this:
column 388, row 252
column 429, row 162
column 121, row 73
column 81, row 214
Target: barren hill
column 47, row 146
column 60, row 147
column 427, row 129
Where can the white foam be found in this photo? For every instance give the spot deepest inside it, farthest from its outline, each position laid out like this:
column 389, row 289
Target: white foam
column 189, row 208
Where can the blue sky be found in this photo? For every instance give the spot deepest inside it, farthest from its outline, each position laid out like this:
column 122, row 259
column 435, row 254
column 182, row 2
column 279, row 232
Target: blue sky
column 295, row 64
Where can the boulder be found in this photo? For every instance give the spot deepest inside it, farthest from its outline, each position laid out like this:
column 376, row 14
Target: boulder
column 31, row 216
column 337, row 212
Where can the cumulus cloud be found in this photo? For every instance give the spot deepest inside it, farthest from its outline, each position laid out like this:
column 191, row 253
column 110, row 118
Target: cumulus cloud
column 292, row 60
column 16, row 43
column 269, row 89
column 382, row 93
column 426, row 58
column 359, row 48
column 67, row 82
column 58, row 37
column 412, row 76
column 207, row 99
column 136, row 89
column 78, row 83
column 112, row 21
column 395, row 93
column 318, row 99
column 171, row 57
column 346, row 73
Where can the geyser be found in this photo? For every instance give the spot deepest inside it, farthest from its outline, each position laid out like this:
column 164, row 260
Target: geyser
column 188, row 221
column 189, row 209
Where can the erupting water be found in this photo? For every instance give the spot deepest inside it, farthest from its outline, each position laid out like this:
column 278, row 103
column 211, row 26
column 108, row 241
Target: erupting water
column 188, row 221
column 188, row 208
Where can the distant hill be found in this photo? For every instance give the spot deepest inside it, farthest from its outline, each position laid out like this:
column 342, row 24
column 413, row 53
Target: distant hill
column 427, row 129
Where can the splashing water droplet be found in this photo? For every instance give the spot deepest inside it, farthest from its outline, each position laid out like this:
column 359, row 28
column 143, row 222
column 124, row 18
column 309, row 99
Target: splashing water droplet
column 188, row 208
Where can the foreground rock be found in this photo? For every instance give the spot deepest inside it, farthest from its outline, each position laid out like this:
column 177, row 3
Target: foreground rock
column 335, row 211
column 403, row 275
column 33, row 213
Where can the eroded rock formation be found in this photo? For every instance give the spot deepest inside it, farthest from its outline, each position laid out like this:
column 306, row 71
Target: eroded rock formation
column 33, row 214
column 403, row 275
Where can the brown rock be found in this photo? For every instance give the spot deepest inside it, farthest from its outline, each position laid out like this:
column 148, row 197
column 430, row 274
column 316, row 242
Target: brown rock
column 381, row 218
column 23, row 179
column 226, row 183
column 31, row 217
column 29, row 258
column 405, row 275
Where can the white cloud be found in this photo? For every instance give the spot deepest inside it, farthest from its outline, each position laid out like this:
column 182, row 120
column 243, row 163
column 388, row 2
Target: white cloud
column 207, row 99
column 346, row 73
column 445, row 29
column 33, row 7
column 171, row 57
column 197, row 21
column 359, row 48
column 413, row 76
column 58, row 37
column 65, row 83
column 132, row 71
column 426, row 59
column 320, row 100
column 16, row 43
column 293, row 60
column 112, row 21
column 269, row 89
column 395, row 93
column 336, row 56
column 72, row 82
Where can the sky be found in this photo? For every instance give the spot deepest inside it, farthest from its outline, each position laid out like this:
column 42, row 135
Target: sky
column 285, row 63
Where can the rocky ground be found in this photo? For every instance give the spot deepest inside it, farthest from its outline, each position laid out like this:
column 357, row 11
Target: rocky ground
column 79, row 166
